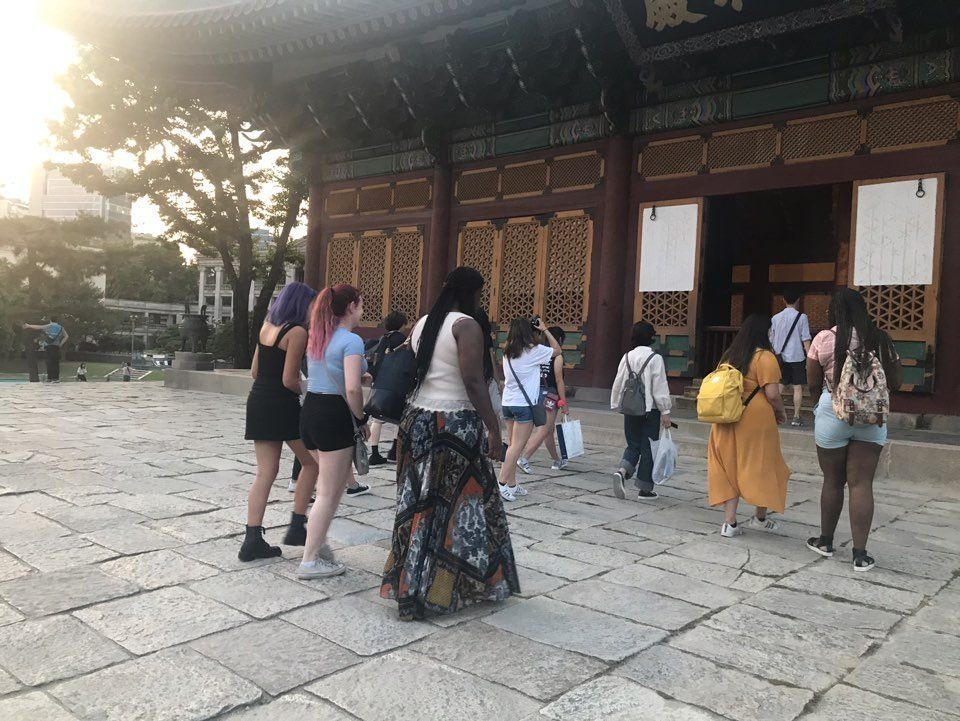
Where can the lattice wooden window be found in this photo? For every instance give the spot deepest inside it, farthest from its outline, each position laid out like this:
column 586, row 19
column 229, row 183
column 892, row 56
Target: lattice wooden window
column 474, row 186
column 742, row 149
column 406, row 264
column 576, row 172
column 375, row 199
column 569, row 238
column 519, row 276
column 896, row 307
column 341, row 252
column 386, row 267
column 913, row 124
column 531, row 267
column 665, row 309
column 832, row 136
column 524, row 179
column 341, row 202
column 672, row 158
column 411, row 195
column 371, row 275
column 477, row 249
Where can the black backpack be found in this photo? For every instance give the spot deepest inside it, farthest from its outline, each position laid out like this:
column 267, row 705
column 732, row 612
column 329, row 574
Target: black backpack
column 378, row 350
column 394, row 383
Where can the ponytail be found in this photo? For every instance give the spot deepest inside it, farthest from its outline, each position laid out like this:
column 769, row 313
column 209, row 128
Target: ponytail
column 325, row 314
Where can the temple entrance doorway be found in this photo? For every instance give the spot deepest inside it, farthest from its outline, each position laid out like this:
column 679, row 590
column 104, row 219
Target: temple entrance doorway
column 759, row 245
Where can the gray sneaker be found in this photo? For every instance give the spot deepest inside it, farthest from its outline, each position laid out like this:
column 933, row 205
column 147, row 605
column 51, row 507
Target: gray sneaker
column 321, row 568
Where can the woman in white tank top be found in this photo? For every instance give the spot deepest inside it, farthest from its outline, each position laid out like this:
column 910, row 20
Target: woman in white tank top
column 443, row 557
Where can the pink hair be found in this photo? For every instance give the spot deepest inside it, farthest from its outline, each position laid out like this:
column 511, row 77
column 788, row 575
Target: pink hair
column 325, row 314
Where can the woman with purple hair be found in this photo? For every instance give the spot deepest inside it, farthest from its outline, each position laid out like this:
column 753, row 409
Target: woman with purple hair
column 273, row 417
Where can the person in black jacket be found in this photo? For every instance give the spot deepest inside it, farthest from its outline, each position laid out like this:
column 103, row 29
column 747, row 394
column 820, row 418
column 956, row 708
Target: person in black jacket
column 392, row 339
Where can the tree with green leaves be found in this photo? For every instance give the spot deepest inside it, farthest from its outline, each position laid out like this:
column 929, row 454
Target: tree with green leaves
column 49, row 274
column 201, row 161
column 153, row 271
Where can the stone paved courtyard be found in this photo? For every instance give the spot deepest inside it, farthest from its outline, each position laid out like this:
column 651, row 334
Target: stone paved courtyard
column 121, row 597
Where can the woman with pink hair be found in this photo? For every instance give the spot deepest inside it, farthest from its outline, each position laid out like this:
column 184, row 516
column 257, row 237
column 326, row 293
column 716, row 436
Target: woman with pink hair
column 333, row 408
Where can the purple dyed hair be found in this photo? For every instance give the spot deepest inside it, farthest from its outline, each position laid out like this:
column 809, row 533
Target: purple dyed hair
column 292, row 305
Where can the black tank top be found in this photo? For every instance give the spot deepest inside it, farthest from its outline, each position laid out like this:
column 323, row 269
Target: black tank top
column 271, row 359
column 548, row 376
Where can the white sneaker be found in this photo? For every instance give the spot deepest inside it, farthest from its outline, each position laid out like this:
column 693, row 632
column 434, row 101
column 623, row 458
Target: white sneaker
column 728, row 531
column 560, row 464
column 524, row 465
column 519, row 490
column 508, row 493
column 292, row 486
column 618, row 478
column 767, row 524
column 321, row 568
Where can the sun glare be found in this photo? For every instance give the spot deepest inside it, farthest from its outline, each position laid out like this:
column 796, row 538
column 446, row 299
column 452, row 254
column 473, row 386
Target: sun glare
column 32, row 54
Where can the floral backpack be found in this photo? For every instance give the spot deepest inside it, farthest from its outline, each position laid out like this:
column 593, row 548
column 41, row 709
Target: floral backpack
column 861, row 396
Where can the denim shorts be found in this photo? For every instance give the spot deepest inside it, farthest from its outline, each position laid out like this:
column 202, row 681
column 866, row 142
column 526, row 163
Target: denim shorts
column 519, row 414
column 830, row 432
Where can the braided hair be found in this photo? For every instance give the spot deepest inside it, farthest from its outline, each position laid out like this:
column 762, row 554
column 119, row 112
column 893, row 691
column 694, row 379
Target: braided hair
column 459, row 291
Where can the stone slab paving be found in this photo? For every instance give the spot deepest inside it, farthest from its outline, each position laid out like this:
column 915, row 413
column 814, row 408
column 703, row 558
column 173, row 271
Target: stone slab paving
column 121, row 597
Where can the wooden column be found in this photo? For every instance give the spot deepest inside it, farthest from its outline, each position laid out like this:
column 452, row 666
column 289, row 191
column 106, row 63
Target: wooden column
column 606, row 306
column 314, row 266
column 438, row 241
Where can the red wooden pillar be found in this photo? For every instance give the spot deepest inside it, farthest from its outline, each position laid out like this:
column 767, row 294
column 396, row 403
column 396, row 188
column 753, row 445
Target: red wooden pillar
column 604, row 342
column 438, row 238
column 314, row 271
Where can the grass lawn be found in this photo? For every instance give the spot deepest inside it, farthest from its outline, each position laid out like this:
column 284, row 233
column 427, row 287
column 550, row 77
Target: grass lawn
column 10, row 370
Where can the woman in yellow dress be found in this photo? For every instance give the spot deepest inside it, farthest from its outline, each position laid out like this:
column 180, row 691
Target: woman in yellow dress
column 744, row 458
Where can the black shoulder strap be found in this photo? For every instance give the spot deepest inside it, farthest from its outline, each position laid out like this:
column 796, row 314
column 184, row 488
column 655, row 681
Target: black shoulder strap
column 790, row 333
column 283, row 331
column 522, row 389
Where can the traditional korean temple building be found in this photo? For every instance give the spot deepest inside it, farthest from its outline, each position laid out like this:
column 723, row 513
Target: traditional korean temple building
column 601, row 161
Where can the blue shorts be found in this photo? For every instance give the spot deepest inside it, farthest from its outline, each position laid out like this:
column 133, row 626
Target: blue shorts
column 830, row 432
column 518, row 414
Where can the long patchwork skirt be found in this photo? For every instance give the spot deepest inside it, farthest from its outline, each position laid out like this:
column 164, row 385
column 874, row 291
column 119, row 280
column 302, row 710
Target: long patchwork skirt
column 451, row 545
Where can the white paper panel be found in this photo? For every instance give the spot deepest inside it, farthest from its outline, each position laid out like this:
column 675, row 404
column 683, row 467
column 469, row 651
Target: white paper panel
column 896, row 232
column 668, row 248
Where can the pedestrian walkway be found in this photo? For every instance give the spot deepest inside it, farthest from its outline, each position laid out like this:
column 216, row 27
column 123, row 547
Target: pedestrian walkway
column 121, row 597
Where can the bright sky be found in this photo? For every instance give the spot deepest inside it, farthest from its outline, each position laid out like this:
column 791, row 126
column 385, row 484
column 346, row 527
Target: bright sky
column 32, row 55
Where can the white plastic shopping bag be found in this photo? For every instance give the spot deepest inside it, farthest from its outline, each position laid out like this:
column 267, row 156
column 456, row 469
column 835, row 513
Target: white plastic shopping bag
column 570, row 438
column 665, row 459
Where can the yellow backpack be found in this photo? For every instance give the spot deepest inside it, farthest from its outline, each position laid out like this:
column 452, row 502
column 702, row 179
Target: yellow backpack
column 720, row 398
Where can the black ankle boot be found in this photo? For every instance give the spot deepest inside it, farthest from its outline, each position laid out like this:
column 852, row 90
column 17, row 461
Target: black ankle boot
column 297, row 531
column 392, row 453
column 376, row 459
column 254, row 546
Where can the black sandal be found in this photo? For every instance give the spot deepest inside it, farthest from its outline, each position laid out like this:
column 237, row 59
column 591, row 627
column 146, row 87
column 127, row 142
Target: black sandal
column 861, row 561
column 821, row 545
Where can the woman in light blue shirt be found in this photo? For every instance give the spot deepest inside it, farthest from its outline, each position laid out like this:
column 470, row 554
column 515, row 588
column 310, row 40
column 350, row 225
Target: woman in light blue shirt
column 336, row 370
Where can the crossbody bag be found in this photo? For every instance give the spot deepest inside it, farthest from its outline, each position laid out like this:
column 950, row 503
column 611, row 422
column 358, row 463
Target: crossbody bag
column 538, row 411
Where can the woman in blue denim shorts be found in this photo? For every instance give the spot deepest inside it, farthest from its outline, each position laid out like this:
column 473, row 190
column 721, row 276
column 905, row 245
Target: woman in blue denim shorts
column 522, row 358
column 848, row 454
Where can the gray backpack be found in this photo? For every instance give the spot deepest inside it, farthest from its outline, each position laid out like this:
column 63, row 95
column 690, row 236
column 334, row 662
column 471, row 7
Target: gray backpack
column 633, row 402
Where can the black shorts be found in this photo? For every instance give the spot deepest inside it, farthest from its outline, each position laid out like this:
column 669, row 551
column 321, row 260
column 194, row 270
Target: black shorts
column 793, row 374
column 325, row 423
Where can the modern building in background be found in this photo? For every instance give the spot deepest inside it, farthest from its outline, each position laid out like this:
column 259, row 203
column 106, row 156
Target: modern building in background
column 214, row 289
column 12, row 208
column 53, row 195
column 147, row 319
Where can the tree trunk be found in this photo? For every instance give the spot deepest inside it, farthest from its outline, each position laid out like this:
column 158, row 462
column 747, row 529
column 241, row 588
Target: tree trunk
column 242, row 347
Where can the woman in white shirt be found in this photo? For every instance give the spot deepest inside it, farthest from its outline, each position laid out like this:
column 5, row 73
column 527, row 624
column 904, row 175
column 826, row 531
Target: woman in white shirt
column 522, row 357
column 640, row 430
